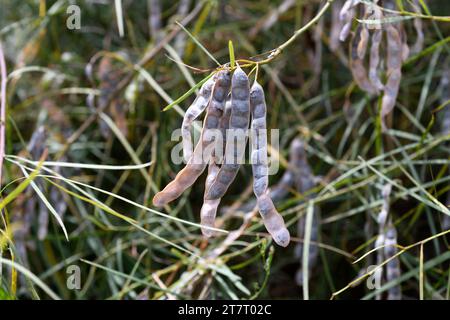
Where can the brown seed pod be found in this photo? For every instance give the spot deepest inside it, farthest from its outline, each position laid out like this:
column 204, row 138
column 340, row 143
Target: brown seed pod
column 374, row 62
column 418, row 26
column 357, row 47
column 346, row 16
column 394, row 64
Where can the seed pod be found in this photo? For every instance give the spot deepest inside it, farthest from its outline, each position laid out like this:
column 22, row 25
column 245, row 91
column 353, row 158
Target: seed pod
column 378, row 275
column 394, row 65
column 239, row 119
column 236, row 117
column 192, row 113
column 272, row 219
column 336, row 25
column 209, row 207
column 204, row 148
column 358, row 44
column 375, row 59
column 392, row 266
column 363, row 42
column 418, row 45
column 346, row 16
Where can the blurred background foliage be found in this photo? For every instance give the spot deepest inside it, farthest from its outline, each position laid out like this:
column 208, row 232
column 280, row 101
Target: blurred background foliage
column 53, row 74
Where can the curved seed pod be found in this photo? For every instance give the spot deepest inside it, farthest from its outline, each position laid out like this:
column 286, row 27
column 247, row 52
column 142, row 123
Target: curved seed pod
column 382, row 216
column 234, row 152
column 394, row 65
column 194, row 110
column 203, row 150
column 405, row 47
column 357, row 64
column 392, row 266
column 346, row 16
column 363, row 42
column 305, row 179
column 378, row 275
column 273, row 221
column 381, row 238
column 209, row 207
column 375, row 59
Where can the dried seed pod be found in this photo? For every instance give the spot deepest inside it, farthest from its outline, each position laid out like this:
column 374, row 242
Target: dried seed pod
column 272, row 219
column 359, row 45
column 209, row 207
column 204, row 148
column 234, row 152
column 363, row 42
column 375, row 59
column 394, row 65
column 336, row 25
column 387, row 239
column 192, row 113
column 378, row 275
column 346, row 16
column 392, row 266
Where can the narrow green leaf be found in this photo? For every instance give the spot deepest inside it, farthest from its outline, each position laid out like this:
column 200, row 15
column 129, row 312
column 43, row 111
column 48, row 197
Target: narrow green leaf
column 231, row 50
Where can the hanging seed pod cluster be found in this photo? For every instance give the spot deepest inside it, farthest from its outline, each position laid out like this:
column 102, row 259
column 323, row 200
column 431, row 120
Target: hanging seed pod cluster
column 378, row 31
column 231, row 107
